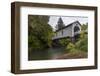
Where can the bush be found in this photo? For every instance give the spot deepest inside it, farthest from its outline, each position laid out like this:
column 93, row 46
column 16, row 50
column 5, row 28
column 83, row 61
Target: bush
column 80, row 45
column 35, row 44
column 65, row 41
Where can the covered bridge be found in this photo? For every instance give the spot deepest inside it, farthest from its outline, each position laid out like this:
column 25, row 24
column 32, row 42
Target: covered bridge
column 71, row 30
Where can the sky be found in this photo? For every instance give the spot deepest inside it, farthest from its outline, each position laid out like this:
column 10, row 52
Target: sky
column 67, row 20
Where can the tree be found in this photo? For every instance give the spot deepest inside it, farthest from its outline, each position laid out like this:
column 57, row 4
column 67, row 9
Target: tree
column 60, row 24
column 39, row 32
column 84, row 27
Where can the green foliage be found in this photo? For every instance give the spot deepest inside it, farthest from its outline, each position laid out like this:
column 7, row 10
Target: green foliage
column 71, row 48
column 84, row 27
column 35, row 43
column 82, row 44
column 65, row 41
column 39, row 32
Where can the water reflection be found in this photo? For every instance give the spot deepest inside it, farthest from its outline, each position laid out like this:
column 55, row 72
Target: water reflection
column 50, row 53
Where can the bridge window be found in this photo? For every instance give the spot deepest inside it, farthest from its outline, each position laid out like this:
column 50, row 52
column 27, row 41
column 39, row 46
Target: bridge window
column 76, row 28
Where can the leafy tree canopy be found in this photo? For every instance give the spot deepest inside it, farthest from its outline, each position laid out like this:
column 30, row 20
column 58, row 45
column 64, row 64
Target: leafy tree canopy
column 39, row 32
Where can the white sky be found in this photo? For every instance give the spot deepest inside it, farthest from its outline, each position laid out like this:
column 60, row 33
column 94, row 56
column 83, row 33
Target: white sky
column 67, row 20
